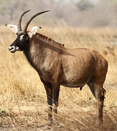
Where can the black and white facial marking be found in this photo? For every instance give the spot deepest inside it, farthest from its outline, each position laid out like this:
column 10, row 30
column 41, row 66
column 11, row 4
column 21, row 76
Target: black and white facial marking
column 22, row 38
column 20, row 43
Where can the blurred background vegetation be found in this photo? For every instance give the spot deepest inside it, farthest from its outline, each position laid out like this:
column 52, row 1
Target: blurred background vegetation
column 83, row 13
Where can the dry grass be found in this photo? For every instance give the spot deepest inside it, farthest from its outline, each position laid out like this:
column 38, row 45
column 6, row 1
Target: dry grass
column 22, row 95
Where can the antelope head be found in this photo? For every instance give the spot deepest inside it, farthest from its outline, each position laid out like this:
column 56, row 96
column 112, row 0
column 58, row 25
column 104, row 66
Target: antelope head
column 22, row 37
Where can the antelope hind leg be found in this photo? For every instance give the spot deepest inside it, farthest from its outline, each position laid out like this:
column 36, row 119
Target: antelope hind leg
column 98, row 93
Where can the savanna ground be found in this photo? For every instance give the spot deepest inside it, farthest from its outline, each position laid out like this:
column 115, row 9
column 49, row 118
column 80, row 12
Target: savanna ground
column 23, row 104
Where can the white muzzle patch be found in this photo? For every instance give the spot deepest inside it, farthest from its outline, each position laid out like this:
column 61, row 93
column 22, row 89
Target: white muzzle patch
column 13, row 49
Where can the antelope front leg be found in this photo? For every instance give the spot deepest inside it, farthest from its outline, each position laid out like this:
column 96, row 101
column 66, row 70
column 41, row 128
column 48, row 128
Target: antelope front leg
column 55, row 96
column 49, row 123
column 49, row 101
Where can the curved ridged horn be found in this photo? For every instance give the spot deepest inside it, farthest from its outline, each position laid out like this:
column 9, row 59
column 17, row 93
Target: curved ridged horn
column 26, row 26
column 20, row 19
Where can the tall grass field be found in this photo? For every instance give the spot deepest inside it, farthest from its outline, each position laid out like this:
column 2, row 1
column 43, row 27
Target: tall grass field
column 23, row 104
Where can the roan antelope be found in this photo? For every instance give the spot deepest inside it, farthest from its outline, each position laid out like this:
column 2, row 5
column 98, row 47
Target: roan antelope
column 57, row 65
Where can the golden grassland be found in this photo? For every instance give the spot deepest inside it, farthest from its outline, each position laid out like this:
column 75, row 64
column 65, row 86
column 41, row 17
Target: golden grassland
column 22, row 96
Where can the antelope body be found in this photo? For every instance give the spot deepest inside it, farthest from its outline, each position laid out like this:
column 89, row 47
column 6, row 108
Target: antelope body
column 57, row 65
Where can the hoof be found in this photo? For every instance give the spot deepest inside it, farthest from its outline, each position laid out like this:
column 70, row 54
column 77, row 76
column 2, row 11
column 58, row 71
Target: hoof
column 98, row 123
column 55, row 123
column 48, row 126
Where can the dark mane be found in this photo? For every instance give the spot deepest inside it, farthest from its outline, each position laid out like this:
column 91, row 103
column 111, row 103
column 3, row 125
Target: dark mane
column 48, row 40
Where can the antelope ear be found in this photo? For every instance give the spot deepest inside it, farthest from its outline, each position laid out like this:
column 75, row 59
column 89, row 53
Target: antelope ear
column 33, row 31
column 12, row 27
